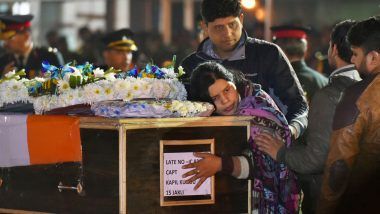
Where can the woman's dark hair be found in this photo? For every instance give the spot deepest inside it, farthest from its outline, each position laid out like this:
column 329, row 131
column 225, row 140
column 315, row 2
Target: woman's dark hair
column 339, row 38
column 205, row 74
column 214, row 9
column 366, row 34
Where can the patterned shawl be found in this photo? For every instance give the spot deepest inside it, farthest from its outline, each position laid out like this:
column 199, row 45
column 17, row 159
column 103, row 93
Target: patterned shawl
column 275, row 186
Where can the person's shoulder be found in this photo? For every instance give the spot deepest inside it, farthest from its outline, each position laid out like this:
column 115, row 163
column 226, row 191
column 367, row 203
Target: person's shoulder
column 372, row 90
column 309, row 73
column 191, row 61
column 192, row 56
column 261, row 44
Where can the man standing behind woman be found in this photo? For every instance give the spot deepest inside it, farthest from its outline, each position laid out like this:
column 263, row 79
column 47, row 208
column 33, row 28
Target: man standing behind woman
column 309, row 161
column 260, row 61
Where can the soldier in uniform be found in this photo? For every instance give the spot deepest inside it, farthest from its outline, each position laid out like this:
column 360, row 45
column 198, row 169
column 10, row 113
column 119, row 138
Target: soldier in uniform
column 292, row 40
column 15, row 31
column 119, row 49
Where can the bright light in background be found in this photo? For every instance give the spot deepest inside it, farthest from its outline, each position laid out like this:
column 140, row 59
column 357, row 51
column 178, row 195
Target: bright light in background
column 22, row 8
column 249, row 4
column 260, row 14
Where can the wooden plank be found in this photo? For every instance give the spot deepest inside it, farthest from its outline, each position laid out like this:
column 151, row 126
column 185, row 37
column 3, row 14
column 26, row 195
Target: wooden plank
column 143, row 123
column 122, row 170
column 11, row 211
column 114, row 121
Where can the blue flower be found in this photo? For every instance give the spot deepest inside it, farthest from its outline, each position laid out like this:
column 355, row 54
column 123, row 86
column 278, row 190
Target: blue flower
column 66, row 69
column 133, row 72
column 46, row 67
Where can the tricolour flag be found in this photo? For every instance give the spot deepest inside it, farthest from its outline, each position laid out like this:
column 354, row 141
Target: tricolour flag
column 39, row 139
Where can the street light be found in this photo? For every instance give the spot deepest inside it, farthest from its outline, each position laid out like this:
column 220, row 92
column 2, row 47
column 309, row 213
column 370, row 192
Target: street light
column 248, row 4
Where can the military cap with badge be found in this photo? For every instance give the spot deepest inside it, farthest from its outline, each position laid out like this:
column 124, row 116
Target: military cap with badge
column 120, row 40
column 21, row 53
column 11, row 24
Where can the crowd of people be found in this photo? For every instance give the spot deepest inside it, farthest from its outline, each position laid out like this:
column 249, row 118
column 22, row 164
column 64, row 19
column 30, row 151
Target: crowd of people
column 314, row 143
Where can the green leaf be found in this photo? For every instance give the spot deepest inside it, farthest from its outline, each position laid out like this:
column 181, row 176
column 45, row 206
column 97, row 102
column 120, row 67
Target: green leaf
column 73, row 81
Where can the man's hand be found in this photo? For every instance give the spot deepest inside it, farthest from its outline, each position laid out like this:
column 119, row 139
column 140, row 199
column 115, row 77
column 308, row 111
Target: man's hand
column 269, row 144
column 207, row 167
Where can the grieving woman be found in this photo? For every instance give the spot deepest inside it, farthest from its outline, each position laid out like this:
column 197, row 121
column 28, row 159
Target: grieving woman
column 275, row 185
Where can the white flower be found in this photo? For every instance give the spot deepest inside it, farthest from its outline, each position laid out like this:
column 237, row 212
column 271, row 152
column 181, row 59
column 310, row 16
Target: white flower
column 13, row 91
column 63, row 86
column 40, row 79
column 177, row 91
column 145, row 89
column 98, row 73
column 169, row 72
column 122, row 89
column 93, row 93
column 160, row 89
column 110, row 76
column 136, row 88
column 45, row 103
column 110, row 88
column 10, row 74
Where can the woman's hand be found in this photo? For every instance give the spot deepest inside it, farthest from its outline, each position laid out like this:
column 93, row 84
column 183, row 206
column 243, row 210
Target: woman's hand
column 269, row 144
column 204, row 168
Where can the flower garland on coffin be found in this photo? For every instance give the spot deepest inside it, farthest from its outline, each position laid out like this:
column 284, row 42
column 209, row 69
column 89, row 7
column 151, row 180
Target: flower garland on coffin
column 13, row 89
column 72, row 85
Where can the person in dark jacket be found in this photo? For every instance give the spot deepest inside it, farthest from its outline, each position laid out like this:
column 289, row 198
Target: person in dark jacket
column 352, row 173
column 309, row 160
column 293, row 41
column 17, row 37
column 262, row 62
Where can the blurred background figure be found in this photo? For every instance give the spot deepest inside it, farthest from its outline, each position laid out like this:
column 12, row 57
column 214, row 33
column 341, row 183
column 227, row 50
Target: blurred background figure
column 52, row 38
column 293, row 41
column 118, row 50
column 69, row 56
column 155, row 49
column 201, row 34
column 55, row 40
column 89, row 49
column 15, row 31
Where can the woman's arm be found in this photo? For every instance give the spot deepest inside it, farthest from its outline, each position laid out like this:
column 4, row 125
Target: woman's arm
column 209, row 165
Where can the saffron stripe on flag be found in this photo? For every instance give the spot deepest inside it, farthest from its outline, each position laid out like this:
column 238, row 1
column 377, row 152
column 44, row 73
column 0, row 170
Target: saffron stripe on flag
column 53, row 139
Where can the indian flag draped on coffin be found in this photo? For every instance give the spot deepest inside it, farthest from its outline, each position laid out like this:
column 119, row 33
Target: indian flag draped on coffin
column 34, row 139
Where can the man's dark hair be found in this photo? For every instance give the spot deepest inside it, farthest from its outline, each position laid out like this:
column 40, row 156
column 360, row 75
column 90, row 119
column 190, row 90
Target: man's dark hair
column 214, row 9
column 292, row 47
column 366, row 34
column 205, row 74
column 339, row 38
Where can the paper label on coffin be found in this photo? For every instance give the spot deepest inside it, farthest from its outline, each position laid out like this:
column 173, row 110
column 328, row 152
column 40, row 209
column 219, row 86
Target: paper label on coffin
column 174, row 184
